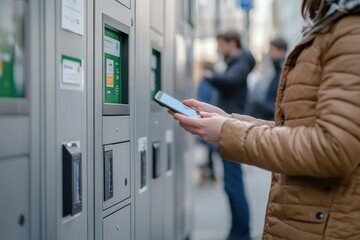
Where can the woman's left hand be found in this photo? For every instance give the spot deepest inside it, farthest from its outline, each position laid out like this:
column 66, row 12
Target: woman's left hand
column 208, row 127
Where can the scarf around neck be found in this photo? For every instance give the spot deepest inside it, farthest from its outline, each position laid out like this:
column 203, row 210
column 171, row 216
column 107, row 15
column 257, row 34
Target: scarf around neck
column 336, row 10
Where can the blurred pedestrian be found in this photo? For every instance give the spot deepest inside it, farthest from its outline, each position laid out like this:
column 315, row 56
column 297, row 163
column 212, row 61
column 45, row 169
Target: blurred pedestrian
column 264, row 107
column 206, row 93
column 232, row 91
column 313, row 146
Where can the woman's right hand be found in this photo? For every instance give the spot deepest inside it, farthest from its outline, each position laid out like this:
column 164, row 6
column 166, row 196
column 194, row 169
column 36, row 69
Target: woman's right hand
column 205, row 107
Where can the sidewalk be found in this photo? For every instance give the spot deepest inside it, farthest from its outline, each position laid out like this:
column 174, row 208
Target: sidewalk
column 211, row 218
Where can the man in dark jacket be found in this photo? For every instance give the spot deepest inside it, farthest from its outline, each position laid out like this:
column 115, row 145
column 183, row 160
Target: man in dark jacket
column 232, row 95
column 231, row 84
column 265, row 108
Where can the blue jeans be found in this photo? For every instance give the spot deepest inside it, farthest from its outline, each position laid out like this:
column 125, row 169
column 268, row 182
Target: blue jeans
column 234, row 188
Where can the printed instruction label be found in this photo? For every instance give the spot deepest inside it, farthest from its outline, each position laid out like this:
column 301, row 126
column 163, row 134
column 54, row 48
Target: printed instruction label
column 72, row 16
column 112, row 46
column 109, row 73
column 72, row 77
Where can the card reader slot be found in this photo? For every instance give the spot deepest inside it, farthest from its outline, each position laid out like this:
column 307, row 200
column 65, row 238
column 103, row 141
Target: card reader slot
column 156, row 159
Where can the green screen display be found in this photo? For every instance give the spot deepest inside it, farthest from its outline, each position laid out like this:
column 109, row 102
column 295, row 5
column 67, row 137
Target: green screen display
column 155, row 73
column 112, row 67
column 12, row 82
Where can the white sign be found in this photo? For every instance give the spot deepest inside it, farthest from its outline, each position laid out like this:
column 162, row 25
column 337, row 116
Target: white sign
column 142, row 144
column 142, row 148
column 72, row 76
column 169, row 136
column 72, row 16
column 111, row 46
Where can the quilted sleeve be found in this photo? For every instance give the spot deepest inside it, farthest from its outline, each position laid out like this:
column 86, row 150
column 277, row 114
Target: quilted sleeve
column 329, row 148
column 253, row 120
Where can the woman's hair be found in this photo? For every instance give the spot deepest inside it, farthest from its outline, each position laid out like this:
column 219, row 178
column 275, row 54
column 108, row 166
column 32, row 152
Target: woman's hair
column 313, row 9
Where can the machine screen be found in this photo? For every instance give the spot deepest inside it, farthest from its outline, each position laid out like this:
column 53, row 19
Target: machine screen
column 12, row 82
column 112, row 67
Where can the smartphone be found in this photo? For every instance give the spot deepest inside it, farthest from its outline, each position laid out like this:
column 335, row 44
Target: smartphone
column 175, row 105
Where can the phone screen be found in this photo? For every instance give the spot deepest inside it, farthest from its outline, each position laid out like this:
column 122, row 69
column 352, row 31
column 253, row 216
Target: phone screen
column 178, row 106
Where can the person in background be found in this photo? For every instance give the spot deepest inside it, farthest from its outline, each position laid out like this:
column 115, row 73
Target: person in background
column 313, row 146
column 206, row 93
column 264, row 108
column 231, row 86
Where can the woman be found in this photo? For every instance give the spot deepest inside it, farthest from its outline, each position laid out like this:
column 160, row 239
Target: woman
column 313, row 146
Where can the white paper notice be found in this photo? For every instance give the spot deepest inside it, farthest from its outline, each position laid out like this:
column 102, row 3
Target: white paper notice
column 72, row 77
column 142, row 148
column 72, row 16
column 169, row 136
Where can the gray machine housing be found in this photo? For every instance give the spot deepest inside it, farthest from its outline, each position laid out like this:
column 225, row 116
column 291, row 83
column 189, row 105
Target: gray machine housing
column 73, row 166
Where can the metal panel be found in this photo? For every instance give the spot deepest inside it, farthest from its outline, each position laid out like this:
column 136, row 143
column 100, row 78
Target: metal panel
column 14, row 206
column 157, row 40
column 168, row 86
column 70, row 119
column 157, row 15
column 157, row 184
column 127, row 3
column 19, row 141
column 50, row 197
column 184, row 142
column 105, row 127
column 35, row 94
column 142, row 109
column 116, row 129
column 121, row 173
column 117, row 226
column 14, row 137
column 90, row 116
column 156, row 134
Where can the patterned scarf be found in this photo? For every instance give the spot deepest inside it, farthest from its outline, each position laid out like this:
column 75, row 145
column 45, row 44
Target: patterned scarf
column 336, row 10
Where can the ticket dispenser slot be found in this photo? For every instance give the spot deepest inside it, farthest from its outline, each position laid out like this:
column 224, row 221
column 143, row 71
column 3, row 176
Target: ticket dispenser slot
column 143, row 169
column 168, row 165
column 108, row 175
column 116, row 173
column 156, row 159
column 72, row 192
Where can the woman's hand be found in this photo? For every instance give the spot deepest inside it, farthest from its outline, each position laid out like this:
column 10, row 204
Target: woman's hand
column 205, row 107
column 208, row 127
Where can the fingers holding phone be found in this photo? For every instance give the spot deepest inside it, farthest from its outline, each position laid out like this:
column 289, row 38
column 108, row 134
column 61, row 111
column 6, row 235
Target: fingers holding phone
column 208, row 127
column 204, row 107
column 175, row 105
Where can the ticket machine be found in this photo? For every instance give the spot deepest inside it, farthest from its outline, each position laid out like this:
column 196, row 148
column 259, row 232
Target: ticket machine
column 113, row 85
column 15, row 120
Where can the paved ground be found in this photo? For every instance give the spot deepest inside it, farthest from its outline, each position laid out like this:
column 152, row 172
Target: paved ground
column 211, row 218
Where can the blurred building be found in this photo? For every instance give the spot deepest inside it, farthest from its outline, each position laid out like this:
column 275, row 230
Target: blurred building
column 287, row 20
column 215, row 15
column 219, row 15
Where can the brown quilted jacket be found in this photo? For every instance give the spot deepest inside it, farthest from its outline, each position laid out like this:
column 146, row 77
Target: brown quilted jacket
column 313, row 147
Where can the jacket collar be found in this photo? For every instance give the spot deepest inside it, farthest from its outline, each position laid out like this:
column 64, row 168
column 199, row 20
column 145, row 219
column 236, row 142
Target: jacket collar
column 234, row 58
